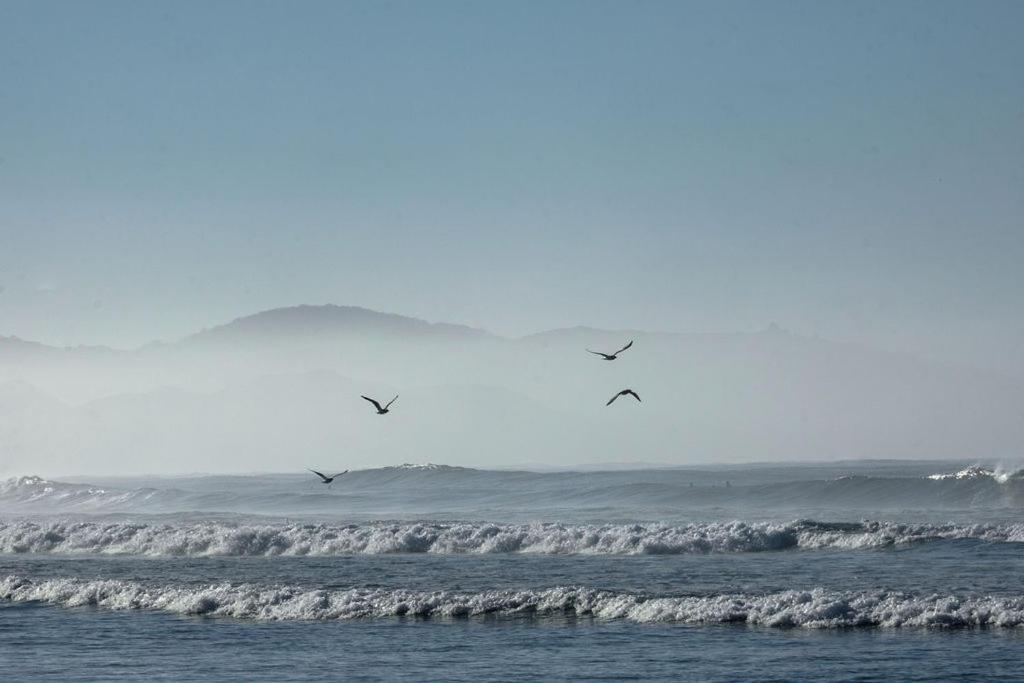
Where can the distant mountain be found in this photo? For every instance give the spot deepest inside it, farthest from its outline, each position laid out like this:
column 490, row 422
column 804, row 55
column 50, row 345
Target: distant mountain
column 282, row 340
column 331, row 320
column 14, row 348
column 282, row 388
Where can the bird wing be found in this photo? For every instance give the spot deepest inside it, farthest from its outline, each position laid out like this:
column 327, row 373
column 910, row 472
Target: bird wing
column 624, row 347
column 372, row 401
column 335, row 476
column 598, row 353
column 612, row 399
column 391, row 401
column 319, row 474
column 633, row 394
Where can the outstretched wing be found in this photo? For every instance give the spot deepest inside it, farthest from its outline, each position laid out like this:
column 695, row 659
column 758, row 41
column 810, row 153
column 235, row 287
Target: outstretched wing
column 376, row 405
column 319, row 474
column 339, row 474
column 624, row 348
column 612, row 399
column 598, row 353
column 633, row 394
column 391, row 401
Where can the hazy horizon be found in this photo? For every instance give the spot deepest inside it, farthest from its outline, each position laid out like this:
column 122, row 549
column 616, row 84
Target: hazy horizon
column 91, row 477
column 663, row 166
column 831, row 190
column 772, row 326
column 282, row 390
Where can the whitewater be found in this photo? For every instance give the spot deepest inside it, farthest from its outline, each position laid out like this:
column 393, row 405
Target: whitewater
column 615, row 573
column 268, row 540
column 811, row 609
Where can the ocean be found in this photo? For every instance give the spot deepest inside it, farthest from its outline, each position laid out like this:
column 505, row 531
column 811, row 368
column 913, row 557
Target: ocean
column 844, row 571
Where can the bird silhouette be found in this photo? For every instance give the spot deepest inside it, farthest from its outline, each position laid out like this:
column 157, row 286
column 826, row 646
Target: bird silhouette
column 384, row 410
column 324, row 478
column 624, row 392
column 612, row 356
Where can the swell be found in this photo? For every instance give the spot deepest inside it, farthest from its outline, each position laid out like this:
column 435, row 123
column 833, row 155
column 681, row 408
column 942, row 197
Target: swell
column 403, row 491
column 815, row 608
column 224, row 539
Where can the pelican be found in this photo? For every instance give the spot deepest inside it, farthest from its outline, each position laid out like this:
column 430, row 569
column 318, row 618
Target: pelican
column 384, row 410
column 324, row 478
column 623, row 393
column 612, row 356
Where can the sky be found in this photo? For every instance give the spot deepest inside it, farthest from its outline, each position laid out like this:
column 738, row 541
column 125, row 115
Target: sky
column 852, row 170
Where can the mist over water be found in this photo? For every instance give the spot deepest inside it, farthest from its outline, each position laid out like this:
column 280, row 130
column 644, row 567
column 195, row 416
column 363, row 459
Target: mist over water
column 170, row 482
column 280, row 391
column 879, row 492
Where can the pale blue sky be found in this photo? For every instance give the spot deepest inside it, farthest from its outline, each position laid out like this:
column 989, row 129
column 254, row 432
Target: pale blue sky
column 853, row 170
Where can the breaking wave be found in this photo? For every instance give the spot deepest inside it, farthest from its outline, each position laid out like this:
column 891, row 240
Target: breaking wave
column 226, row 539
column 999, row 475
column 35, row 492
column 816, row 608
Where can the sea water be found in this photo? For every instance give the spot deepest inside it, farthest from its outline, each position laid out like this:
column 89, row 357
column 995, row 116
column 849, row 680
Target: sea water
column 851, row 571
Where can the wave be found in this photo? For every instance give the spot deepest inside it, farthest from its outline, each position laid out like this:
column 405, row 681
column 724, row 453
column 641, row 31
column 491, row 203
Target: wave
column 999, row 475
column 418, row 491
column 816, row 608
column 226, row 539
column 33, row 492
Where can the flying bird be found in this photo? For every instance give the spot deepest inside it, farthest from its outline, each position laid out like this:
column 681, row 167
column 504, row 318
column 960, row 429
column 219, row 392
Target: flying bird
column 612, row 356
column 624, row 392
column 384, row 410
column 325, row 479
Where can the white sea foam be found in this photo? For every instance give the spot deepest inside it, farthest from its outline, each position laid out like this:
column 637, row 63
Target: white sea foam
column 816, row 608
column 224, row 539
column 421, row 466
column 972, row 472
column 1000, row 474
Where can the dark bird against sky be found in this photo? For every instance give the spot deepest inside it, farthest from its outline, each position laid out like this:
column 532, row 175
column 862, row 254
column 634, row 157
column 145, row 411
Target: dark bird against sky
column 623, row 393
column 384, row 410
column 612, row 356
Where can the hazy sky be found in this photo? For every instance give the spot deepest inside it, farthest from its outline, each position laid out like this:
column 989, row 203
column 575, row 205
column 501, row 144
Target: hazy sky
column 853, row 170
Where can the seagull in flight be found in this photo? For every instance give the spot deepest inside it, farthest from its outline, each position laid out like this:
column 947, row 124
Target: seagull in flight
column 624, row 392
column 325, row 479
column 384, row 410
column 612, row 356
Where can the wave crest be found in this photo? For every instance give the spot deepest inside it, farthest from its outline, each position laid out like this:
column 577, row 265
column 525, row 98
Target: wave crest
column 223, row 539
column 817, row 608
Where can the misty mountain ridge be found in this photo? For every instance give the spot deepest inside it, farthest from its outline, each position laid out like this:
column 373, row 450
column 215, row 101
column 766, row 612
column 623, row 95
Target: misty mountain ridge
column 307, row 320
column 281, row 389
column 328, row 319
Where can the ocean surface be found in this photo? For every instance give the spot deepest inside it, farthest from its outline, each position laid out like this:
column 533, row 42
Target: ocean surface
column 848, row 571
